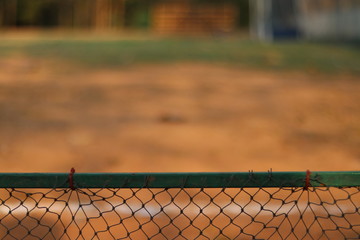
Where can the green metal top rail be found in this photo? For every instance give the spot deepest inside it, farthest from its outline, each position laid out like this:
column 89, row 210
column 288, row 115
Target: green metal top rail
column 180, row 180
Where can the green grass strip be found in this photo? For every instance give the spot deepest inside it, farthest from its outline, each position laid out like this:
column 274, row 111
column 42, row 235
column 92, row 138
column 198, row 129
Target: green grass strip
column 326, row 57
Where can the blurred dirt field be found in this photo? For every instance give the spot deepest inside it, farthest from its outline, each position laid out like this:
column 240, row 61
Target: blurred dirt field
column 175, row 117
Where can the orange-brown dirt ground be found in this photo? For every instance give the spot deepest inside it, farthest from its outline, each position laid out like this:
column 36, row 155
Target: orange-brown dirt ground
column 175, row 117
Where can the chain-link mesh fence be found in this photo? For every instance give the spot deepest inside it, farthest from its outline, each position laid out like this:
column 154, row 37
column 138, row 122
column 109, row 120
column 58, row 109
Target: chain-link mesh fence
column 248, row 206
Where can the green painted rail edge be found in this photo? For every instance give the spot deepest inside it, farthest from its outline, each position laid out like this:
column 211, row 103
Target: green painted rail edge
column 179, row 180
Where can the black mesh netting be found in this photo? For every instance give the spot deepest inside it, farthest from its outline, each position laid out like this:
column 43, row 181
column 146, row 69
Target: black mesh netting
column 145, row 213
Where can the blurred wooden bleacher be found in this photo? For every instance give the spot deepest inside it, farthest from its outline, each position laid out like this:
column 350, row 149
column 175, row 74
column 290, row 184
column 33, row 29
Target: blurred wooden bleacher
column 185, row 17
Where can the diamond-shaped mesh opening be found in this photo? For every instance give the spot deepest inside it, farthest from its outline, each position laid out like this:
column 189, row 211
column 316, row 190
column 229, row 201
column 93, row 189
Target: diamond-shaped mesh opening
column 180, row 213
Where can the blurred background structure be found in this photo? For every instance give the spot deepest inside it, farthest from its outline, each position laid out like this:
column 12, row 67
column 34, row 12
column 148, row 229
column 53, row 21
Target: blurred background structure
column 159, row 15
column 266, row 19
column 319, row 19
